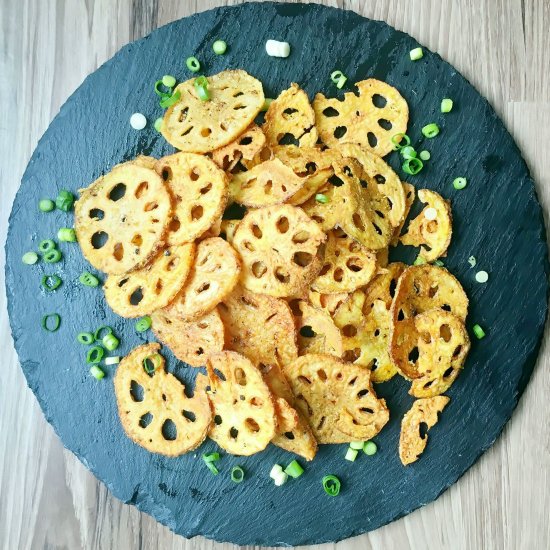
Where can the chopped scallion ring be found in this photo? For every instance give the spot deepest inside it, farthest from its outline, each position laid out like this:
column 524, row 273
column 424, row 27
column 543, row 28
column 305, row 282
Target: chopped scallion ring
column 419, row 260
column 237, row 474
column 294, row 469
column 276, row 471
column 114, row 360
column 219, row 47
column 211, row 457
column 64, row 200
column 152, row 363
column 424, row 155
column 88, row 279
column 460, row 183
column 338, row 78
column 46, row 205
column 52, row 256
column 396, row 140
column 267, row 103
column 357, row 445
column 51, row 322
column 29, row 258
column 143, row 324
column 46, row 245
column 446, row 105
column 193, row 64
column 482, row 276
column 416, row 54
column 331, row 485
column 370, row 448
column 478, row 331
column 159, row 92
column 201, row 87
column 408, row 152
column 95, row 355
column 96, row 372
column 351, row 454
column 169, row 100
column 323, row 199
column 101, row 332
column 430, row 213
column 66, row 235
column 438, row 263
column 412, row 166
column 430, row 130
column 85, row 338
column 110, row 341
column 168, row 80
column 51, row 282
column 158, row 124
column 472, row 261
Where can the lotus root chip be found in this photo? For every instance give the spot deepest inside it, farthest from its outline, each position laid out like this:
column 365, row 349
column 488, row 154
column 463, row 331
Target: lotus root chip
column 382, row 257
column 368, row 119
column 153, row 408
column 190, row 341
column 199, row 192
column 432, row 228
column 197, row 126
column 327, row 302
column 337, row 398
column 409, row 199
column 152, row 287
column 279, row 247
column 245, row 147
column 242, row 406
column 412, row 440
column 228, row 228
column 122, row 217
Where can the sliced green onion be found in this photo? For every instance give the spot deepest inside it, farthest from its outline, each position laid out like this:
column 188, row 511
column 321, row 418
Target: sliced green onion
column 424, row 155
column 219, row 47
column 323, row 199
column 114, row 360
column 430, row 130
column 211, row 457
column 168, row 80
column 408, row 152
column 46, row 205
column 212, row 468
column 478, row 331
column 143, row 324
column 438, row 263
column 101, row 332
column 201, row 87
column 396, row 140
column 66, row 235
column 412, row 166
column 281, row 479
column 446, row 105
column 331, row 485
column 52, row 256
column 277, row 470
column 51, row 282
column 460, row 183
column 419, row 260
column 88, row 279
column 96, row 372
column 95, row 354
column 294, row 469
column 193, row 64
column 51, row 322
column 370, row 448
column 46, row 245
column 85, row 338
column 111, row 342
column 29, row 258
column 152, row 363
column 472, row 261
column 237, row 474
column 64, row 200
column 159, row 92
column 267, row 103
column 338, row 78
column 351, row 454
column 158, row 124
column 357, row 445
column 169, row 100
column 416, row 54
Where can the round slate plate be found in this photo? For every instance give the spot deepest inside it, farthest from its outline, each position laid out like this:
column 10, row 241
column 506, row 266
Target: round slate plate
column 496, row 218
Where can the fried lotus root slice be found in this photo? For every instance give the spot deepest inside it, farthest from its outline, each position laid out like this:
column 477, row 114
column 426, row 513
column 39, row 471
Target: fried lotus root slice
column 242, row 405
column 214, row 274
column 290, row 115
column 327, row 302
column 191, row 342
column 412, row 441
column 197, row 126
column 122, row 217
column 244, row 147
column 199, row 192
column 152, row 287
column 259, row 327
column 369, row 119
column 153, row 408
column 337, row 398
column 279, row 247
column 409, row 199
column 432, row 228
column 228, row 228
column 347, row 265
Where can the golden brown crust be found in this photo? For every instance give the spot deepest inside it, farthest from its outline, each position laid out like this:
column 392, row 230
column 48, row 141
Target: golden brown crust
column 245, row 147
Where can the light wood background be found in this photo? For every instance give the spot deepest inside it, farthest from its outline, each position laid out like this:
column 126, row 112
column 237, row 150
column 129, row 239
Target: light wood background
column 48, row 500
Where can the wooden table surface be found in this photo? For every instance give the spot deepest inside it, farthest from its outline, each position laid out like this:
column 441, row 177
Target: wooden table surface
column 48, row 500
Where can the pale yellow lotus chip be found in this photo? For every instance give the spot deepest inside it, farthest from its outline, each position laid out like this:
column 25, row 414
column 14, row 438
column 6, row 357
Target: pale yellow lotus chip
column 153, row 408
column 228, row 228
column 412, row 441
column 152, row 287
column 347, row 265
column 369, row 119
column 290, row 114
column 337, row 398
column 244, row 147
column 279, row 247
column 199, row 191
column 432, row 228
column 214, row 231
column 191, row 342
column 327, row 302
column 259, row 327
column 409, row 199
column 197, row 126
column 122, row 217
column 243, row 412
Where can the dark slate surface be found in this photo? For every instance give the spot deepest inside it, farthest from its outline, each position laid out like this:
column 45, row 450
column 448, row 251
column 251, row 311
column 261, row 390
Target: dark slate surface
column 497, row 219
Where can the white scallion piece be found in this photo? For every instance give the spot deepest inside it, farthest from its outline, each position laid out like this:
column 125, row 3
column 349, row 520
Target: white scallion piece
column 138, row 121
column 281, row 479
column 430, row 213
column 472, row 261
column 112, row 360
column 482, row 276
column 276, row 471
column 274, row 48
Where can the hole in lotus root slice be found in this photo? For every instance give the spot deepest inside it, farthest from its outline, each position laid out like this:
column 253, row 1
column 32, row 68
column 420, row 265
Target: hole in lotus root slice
column 116, row 196
column 359, row 115
column 199, row 192
column 334, row 400
column 153, row 287
column 276, row 248
column 158, row 424
column 432, row 235
column 245, row 428
column 422, row 416
column 185, row 121
column 244, row 147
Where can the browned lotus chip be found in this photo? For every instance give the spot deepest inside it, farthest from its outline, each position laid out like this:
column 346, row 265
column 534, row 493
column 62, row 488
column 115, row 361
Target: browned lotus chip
column 290, row 114
column 153, row 408
column 279, row 248
column 327, row 302
column 369, row 119
column 197, row 126
column 122, row 217
column 199, row 191
column 213, row 276
column 347, row 265
column 191, row 342
column 423, row 411
column 337, row 398
column 244, row 147
column 242, row 405
column 259, row 327
column 152, row 287
column 383, row 286
column 228, row 228
column 432, row 228
column 382, row 257
column 409, row 199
